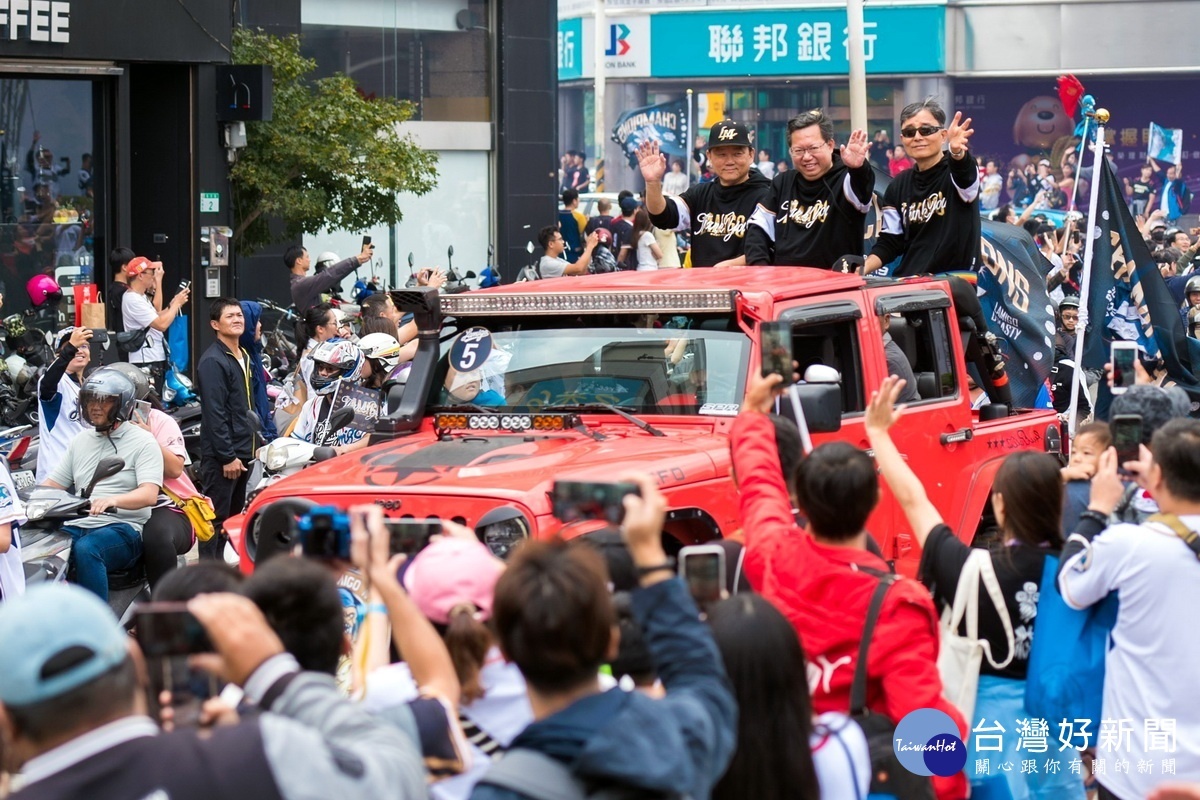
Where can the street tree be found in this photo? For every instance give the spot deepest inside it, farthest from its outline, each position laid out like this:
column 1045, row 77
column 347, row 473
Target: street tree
column 330, row 157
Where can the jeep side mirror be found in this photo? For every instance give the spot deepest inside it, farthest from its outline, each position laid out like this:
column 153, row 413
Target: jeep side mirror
column 821, row 403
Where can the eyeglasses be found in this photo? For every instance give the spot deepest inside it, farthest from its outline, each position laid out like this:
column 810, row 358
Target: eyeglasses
column 801, row 152
column 924, row 130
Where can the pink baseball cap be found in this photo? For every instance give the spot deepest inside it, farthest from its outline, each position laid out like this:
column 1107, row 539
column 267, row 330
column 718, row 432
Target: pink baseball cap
column 452, row 572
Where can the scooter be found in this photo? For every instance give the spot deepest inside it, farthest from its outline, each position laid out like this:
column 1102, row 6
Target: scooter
column 46, row 549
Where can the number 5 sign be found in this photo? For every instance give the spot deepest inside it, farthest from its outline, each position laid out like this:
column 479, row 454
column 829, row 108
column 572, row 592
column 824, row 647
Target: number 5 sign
column 471, row 349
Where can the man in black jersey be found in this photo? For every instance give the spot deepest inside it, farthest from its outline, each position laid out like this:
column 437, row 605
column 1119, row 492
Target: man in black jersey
column 815, row 213
column 717, row 213
column 930, row 216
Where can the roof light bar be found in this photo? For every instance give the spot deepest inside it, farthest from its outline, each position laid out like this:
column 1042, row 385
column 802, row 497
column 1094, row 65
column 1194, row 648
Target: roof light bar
column 574, row 303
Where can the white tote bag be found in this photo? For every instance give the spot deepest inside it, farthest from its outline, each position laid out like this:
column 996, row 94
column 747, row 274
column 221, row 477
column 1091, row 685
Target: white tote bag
column 961, row 656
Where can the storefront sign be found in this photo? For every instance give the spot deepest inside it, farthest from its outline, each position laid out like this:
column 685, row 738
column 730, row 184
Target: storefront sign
column 626, row 47
column 796, row 42
column 570, row 49
column 36, row 20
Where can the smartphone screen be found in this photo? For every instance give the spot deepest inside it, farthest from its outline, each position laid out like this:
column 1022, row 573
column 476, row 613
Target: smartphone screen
column 1127, row 435
column 777, row 350
column 169, row 629
column 410, row 536
column 576, row 500
column 189, row 688
column 141, row 412
column 1124, row 372
column 703, row 570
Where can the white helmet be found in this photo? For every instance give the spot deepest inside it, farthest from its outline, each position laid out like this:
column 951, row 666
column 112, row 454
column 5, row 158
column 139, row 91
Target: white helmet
column 326, row 260
column 381, row 347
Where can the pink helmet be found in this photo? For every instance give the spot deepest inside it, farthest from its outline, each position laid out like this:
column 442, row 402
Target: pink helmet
column 43, row 290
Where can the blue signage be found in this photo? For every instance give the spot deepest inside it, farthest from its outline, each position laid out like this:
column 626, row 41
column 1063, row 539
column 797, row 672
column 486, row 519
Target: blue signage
column 570, row 49
column 794, row 42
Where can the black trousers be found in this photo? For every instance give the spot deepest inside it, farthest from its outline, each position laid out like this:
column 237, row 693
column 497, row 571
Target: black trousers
column 165, row 537
column 228, row 497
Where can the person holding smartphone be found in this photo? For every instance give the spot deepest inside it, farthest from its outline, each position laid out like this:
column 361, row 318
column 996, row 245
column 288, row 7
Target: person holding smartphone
column 58, row 398
column 140, row 313
column 307, row 289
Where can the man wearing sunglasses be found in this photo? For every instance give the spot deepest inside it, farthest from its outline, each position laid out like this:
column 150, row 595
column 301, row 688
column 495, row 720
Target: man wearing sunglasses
column 717, row 213
column 815, row 213
column 930, row 216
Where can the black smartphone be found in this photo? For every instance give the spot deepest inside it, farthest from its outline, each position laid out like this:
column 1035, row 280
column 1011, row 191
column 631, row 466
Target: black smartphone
column 702, row 568
column 410, row 536
column 1126, row 436
column 367, row 243
column 99, row 336
column 1124, row 373
column 169, row 629
column 324, row 534
column 576, row 500
column 776, row 340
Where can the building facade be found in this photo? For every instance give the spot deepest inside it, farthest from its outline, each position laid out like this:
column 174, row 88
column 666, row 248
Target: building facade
column 996, row 60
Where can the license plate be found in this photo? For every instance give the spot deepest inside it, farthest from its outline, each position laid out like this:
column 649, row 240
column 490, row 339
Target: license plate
column 23, row 478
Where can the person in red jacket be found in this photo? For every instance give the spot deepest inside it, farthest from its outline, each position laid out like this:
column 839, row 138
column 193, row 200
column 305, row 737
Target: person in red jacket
column 822, row 578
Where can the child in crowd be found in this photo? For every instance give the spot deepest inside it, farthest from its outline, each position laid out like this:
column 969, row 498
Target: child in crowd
column 1090, row 441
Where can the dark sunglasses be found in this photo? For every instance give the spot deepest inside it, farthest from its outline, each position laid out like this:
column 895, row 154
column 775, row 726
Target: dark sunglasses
column 924, row 130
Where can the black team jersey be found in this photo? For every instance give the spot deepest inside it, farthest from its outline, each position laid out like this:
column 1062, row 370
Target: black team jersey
column 931, row 217
column 716, row 215
column 803, row 223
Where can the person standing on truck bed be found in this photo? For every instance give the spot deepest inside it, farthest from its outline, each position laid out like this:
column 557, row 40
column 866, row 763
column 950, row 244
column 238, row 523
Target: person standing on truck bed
column 930, row 216
column 814, row 214
column 717, row 213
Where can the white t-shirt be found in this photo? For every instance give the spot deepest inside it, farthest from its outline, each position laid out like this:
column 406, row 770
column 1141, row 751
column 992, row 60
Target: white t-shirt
column 137, row 311
column 58, row 424
column 501, row 713
column 309, row 421
column 1153, row 647
column 12, row 571
column 645, row 256
column 989, row 192
column 840, row 757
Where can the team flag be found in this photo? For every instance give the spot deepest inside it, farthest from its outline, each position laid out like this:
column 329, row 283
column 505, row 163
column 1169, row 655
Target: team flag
column 666, row 123
column 1166, row 144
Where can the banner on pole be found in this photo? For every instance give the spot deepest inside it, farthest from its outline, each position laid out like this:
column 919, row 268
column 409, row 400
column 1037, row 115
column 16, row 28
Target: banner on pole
column 665, row 123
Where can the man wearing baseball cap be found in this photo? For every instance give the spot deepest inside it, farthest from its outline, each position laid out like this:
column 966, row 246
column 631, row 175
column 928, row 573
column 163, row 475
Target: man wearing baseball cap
column 717, row 213
column 74, row 714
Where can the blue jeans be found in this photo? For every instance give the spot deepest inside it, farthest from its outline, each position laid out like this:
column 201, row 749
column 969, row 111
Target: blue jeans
column 95, row 551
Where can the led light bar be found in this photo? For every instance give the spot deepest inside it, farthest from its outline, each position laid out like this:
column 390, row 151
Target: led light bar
column 506, row 423
column 573, row 303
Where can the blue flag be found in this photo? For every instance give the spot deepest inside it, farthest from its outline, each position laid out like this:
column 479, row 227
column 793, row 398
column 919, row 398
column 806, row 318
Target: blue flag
column 1129, row 298
column 665, row 123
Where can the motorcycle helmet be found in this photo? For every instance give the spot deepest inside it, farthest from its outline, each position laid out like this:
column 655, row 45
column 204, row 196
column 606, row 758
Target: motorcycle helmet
column 1193, row 285
column 325, row 260
column 362, row 290
column 139, row 379
column 1070, row 301
column 343, row 355
column 61, row 338
column 604, row 237
column 43, row 290
column 383, row 348
column 103, row 384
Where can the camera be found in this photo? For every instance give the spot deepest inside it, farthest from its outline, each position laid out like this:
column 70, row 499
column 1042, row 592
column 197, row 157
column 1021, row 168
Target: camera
column 324, row 534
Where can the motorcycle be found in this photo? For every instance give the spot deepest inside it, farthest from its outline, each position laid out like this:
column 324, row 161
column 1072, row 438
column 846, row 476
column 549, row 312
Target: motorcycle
column 46, row 548
column 455, row 284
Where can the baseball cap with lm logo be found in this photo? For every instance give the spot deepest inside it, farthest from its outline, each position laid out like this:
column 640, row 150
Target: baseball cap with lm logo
column 729, row 133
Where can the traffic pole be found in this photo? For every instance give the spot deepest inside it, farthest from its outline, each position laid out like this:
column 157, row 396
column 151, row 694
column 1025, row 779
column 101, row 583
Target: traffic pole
column 599, row 129
column 858, row 65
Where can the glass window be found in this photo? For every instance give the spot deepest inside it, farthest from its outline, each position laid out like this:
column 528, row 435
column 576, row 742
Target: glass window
column 434, row 53
column 832, row 344
column 47, row 186
column 924, row 339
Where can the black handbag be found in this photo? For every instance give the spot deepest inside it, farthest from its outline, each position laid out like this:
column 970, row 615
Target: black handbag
column 888, row 775
column 132, row 341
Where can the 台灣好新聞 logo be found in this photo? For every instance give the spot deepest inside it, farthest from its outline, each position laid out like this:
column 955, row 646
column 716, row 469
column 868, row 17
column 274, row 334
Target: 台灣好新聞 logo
column 927, row 743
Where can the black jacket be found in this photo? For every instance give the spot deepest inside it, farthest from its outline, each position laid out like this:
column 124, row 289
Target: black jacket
column 931, row 217
column 716, row 215
column 225, row 405
column 803, row 223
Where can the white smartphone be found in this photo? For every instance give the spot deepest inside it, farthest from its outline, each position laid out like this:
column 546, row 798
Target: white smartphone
column 1123, row 357
column 702, row 568
column 141, row 412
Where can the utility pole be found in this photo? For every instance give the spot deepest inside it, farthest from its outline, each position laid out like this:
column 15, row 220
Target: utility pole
column 600, row 129
column 858, row 65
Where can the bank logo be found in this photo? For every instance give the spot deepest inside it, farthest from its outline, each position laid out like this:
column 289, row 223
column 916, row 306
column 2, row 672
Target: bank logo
column 618, row 36
column 926, row 743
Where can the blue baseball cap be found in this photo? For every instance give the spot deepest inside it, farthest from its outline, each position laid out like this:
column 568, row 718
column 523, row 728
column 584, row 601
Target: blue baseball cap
column 56, row 638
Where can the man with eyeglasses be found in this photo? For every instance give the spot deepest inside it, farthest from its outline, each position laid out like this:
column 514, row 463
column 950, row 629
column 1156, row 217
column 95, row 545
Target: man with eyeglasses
column 717, row 213
column 815, row 213
column 930, row 216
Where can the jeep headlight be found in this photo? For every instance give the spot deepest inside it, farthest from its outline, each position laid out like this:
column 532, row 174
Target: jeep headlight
column 502, row 529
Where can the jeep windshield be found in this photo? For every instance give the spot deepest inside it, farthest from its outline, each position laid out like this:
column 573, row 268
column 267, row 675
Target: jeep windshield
column 691, row 364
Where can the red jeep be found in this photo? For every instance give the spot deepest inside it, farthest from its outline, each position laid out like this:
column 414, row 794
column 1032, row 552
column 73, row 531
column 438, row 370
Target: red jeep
column 586, row 378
